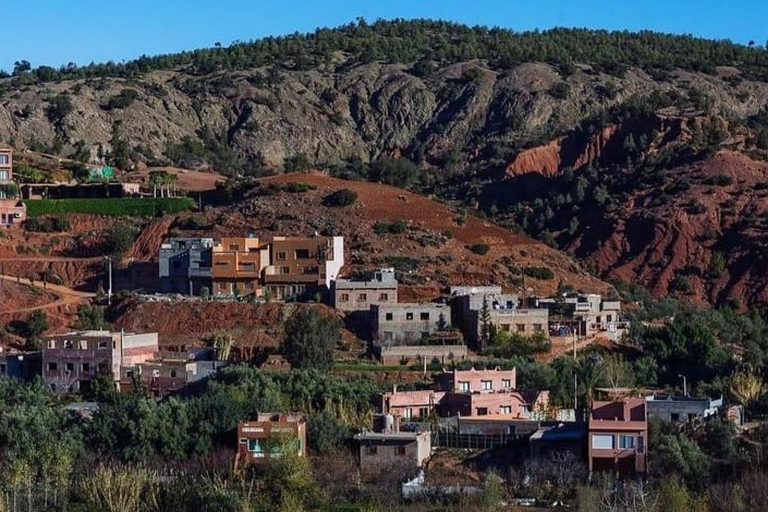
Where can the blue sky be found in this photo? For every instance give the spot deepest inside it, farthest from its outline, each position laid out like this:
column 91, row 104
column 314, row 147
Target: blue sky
column 54, row 32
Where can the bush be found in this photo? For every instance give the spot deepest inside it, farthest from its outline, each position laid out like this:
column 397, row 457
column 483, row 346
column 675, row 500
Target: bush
column 539, row 273
column 47, row 224
column 560, row 90
column 399, row 172
column 125, row 207
column 721, row 180
column 340, row 198
column 396, row 228
column 480, row 249
column 123, row 100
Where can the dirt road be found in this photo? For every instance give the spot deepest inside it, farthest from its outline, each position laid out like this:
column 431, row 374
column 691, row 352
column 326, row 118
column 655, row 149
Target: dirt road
column 64, row 296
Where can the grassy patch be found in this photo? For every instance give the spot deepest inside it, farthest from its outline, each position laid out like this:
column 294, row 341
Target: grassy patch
column 125, row 207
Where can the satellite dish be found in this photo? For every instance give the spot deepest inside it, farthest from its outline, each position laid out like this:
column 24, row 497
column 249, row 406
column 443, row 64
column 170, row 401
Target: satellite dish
column 473, row 290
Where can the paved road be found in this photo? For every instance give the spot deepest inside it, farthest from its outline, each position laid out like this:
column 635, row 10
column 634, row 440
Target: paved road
column 64, row 295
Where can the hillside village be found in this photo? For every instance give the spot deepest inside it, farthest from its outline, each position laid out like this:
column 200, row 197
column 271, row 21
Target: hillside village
column 450, row 315
column 452, row 343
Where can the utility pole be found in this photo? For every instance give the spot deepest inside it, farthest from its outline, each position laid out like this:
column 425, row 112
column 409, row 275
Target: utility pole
column 109, row 271
column 575, row 379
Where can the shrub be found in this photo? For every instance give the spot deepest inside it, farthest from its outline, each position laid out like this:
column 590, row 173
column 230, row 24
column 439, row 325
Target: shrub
column 122, row 100
column 721, row 180
column 396, row 228
column 340, row 198
column 126, row 206
column 47, row 224
column 539, row 273
column 480, row 249
column 560, row 90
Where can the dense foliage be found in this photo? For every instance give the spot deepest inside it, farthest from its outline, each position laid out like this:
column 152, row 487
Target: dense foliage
column 127, row 207
column 422, row 41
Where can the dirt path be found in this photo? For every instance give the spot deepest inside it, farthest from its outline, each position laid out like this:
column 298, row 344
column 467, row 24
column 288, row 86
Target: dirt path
column 53, row 258
column 64, row 296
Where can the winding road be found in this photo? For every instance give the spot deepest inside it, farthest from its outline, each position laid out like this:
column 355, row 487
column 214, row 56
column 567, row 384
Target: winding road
column 64, row 295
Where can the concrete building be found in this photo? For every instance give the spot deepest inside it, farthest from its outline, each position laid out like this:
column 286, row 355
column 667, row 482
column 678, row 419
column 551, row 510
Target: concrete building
column 510, row 403
column 590, row 311
column 618, row 435
column 560, row 438
column 78, row 190
column 411, row 405
column 268, row 435
column 20, row 365
column 681, row 409
column 420, row 354
column 353, row 295
column 12, row 212
column 71, row 360
column 237, row 266
column 185, row 265
column 503, row 313
column 302, row 265
column 472, row 381
column 407, row 323
column 400, row 452
column 6, row 164
column 172, row 372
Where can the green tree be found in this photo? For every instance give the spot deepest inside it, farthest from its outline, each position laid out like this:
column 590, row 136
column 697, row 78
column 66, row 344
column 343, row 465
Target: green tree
column 310, row 339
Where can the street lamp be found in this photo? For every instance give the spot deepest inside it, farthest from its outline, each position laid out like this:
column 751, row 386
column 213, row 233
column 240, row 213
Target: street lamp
column 109, row 270
column 685, row 385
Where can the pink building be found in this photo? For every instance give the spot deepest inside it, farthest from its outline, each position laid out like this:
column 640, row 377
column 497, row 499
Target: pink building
column 618, row 435
column 411, row 404
column 12, row 212
column 471, row 381
column 6, row 164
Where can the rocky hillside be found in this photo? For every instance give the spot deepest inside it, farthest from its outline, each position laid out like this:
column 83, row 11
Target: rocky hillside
column 567, row 135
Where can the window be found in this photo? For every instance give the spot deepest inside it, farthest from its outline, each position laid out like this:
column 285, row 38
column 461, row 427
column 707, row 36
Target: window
column 52, row 367
column 363, row 297
column 506, row 383
column 674, row 417
column 173, row 374
column 423, row 412
column 482, row 411
column 85, row 367
column 487, row 385
column 409, row 316
column 70, row 367
column 388, row 316
column 505, row 327
column 102, row 345
column 371, row 449
column 537, row 328
column 463, row 386
column 281, row 255
column 4, row 159
column 383, row 297
column 640, row 444
column 4, row 175
column 602, row 442
column 234, row 247
column 424, row 316
column 626, row 442
column 302, row 254
column 401, row 450
column 388, row 336
column 51, row 343
column 505, row 409
column 82, row 344
column 520, row 327
column 68, row 344
column 285, row 270
column 129, row 374
column 344, row 297
column 254, row 446
column 408, row 413
column 609, row 318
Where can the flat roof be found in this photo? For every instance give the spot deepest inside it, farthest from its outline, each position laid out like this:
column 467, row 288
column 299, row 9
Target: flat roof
column 393, row 436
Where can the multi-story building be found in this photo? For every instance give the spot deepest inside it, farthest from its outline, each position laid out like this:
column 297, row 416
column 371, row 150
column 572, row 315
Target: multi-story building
column 590, row 311
column 618, row 436
column 681, row 409
column 6, row 164
column 358, row 295
column 71, row 360
column 172, row 372
column 269, row 435
column 237, row 266
column 467, row 393
column 407, row 323
column 398, row 453
column 185, row 265
column 302, row 265
column 469, row 304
